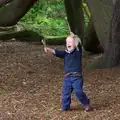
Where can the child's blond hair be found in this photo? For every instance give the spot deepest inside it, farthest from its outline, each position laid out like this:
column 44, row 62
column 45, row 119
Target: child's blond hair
column 76, row 38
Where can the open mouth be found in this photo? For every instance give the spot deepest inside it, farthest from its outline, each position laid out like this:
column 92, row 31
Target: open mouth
column 69, row 46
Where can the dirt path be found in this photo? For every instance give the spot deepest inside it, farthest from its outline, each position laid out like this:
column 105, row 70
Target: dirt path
column 30, row 87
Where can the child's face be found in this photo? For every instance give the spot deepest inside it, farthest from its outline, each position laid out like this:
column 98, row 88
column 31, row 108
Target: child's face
column 70, row 43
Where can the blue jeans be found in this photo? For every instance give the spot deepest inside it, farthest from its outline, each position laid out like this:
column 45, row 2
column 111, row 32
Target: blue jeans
column 73, row 83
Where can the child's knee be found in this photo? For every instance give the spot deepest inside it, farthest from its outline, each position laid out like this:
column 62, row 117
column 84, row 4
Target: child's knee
column 66, row 93
column 79, row 92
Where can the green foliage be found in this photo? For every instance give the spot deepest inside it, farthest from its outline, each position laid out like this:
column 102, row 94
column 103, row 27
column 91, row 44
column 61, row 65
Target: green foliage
column 86, row 20
column 48, row 18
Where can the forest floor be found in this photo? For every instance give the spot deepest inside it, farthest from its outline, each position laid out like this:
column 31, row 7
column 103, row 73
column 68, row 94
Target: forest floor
column 31, row 82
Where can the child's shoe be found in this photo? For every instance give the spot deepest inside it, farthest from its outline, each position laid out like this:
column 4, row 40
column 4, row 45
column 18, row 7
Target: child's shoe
column 88, row 108
column 64, row 110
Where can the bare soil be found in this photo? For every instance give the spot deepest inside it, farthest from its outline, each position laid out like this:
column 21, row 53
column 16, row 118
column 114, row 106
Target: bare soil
column 31, row 82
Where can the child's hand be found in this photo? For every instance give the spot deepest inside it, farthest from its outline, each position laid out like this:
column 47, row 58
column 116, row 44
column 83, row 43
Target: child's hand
column 49, row 50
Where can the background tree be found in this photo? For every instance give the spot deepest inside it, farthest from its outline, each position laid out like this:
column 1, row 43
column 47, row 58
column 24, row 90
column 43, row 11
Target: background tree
column 108, row 31
column 101, row 35
column 11, row 13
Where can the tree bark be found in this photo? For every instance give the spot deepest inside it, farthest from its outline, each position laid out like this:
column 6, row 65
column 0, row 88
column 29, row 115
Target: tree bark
column 19, row 33
column 75, row 16
column 2, row 2
column 91, row 42
column 30, row 36
column 111, row 56
column 101, row 11
column 14, row 11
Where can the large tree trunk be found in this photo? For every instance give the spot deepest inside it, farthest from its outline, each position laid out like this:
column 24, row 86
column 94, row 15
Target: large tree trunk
column 75, row 16
column 112, row 54
column 111, row 57
column 14, row 11
column 91, row 42
column 101, row 11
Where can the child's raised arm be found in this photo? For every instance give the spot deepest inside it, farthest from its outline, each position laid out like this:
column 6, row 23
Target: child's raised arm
column 55, row 52
column 49, row 50
column 59, row 53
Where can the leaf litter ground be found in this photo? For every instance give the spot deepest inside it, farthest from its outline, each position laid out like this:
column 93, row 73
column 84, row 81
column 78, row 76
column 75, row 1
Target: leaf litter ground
column 31, row 83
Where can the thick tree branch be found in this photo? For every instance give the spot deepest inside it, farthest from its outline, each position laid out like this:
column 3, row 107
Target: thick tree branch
column 14, row 11
column 4, row 1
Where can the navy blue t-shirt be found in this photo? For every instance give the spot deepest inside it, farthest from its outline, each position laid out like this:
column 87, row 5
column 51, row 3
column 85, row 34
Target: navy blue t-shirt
column 72, row 60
